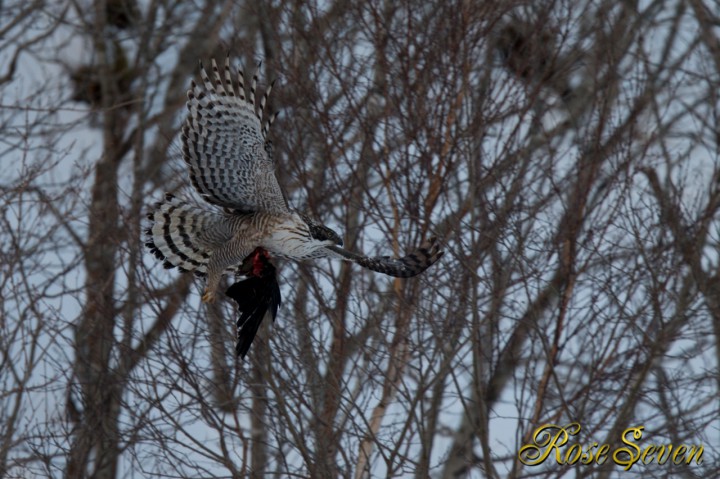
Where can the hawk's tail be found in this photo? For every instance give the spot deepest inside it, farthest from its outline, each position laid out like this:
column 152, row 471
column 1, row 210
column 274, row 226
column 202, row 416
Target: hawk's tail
column 183, row 234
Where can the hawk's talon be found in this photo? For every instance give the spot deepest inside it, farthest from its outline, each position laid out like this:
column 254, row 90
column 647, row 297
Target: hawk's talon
column 208, row 297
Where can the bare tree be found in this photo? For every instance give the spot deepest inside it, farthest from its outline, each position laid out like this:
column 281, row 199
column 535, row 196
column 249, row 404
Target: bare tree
column 566, row 153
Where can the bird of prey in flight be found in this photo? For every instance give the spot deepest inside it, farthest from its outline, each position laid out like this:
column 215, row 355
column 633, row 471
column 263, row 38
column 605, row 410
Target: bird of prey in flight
column 231, row 166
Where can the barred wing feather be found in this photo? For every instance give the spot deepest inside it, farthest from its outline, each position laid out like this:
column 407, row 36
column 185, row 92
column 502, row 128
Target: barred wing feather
column 224, row 144
column 409, row 265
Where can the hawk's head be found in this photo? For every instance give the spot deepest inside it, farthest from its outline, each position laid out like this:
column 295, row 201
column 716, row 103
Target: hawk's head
column 322, row 233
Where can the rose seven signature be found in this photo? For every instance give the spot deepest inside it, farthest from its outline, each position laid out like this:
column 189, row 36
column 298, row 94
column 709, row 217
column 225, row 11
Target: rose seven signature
column 551, row 438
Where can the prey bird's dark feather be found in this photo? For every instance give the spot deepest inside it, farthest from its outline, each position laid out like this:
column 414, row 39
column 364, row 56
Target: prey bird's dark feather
column 255, row 297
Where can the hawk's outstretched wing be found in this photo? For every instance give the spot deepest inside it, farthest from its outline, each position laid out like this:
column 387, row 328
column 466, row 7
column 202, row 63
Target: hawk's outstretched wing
column 412, row 264
column 224, row 144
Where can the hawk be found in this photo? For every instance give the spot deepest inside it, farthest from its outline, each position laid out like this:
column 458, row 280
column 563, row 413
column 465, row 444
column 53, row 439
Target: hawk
column 225, row 146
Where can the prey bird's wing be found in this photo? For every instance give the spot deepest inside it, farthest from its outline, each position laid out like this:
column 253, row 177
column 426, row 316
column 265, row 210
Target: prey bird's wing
column 224, row 144
column 256, row 297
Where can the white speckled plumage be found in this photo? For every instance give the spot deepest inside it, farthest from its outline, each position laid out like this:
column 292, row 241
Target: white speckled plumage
column 226, row 150
column 224, row 145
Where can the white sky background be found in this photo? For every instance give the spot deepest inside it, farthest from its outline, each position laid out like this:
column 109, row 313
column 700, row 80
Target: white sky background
column 84, row 141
